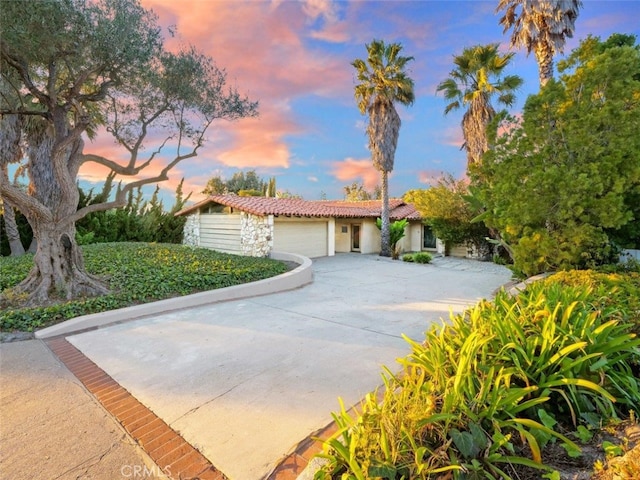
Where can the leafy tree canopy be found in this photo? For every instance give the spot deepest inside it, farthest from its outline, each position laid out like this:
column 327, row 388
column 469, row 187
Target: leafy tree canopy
column 249, row 183
column 356, row 192
column 446, row 209
column 70, row 66
column 566, row 176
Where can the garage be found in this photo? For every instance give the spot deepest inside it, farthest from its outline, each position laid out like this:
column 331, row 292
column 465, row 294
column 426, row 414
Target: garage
column 308, row 238
column 221, row 232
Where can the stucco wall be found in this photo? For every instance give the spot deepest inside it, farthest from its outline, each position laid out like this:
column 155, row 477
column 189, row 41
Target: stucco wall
column 343, row 239
column 412, row 240
column 370, row 237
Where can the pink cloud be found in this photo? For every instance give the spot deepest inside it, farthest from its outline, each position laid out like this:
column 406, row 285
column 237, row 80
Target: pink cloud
column 320, row 8
column 453, row 136
column 261, row 46
column 351, row 169
column 257, row 142
column 334, row 33
column 430, row 177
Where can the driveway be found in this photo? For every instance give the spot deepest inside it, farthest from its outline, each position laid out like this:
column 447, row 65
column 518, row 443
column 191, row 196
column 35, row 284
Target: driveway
column 245, row 381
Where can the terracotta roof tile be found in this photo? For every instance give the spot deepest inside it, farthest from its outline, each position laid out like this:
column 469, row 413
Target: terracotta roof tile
column 309, row 208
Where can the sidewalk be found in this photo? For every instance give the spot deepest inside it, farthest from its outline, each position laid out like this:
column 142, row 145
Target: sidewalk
column 52, row 428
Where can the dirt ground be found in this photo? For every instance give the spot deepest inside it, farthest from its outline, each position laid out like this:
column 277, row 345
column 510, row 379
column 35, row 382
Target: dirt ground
column 622, row 463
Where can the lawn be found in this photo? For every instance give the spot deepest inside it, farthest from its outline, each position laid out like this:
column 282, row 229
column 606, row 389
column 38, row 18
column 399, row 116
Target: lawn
column 136, row 273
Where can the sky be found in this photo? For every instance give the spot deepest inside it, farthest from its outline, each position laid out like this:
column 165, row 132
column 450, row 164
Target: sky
column 294, row 57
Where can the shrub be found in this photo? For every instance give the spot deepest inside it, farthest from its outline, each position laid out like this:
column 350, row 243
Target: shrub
column 136, row 273
column 407, row 257
column 422, row 257
column 494, row 387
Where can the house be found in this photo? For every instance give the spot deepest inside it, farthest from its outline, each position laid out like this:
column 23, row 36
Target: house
column 255, row 226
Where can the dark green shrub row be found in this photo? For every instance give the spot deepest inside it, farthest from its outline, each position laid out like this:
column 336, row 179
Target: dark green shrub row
column 489, row 391
column 139, row 220
column 137, row 273
column 419, row 257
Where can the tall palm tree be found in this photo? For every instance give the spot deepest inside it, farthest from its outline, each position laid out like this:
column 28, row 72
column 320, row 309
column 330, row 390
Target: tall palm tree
column 541, row 26
column 383, row 81
column 472, row 84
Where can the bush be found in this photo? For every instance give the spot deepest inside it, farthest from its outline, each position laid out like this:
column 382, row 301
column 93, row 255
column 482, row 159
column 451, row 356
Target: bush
column 491, row 390
column 422, row 257
column 407, row 257
column 418, row 257
column 137, row 273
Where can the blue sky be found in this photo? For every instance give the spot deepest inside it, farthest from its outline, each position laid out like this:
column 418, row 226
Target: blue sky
column 294, row 57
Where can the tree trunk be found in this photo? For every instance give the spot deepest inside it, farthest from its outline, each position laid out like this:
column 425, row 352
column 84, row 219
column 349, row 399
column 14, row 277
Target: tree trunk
column 385, row 229
column 10, row 152
column 544, row 56
column 58, row 272
column 13, row 235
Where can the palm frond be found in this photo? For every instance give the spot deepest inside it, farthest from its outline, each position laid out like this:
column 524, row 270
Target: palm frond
column 475, row 80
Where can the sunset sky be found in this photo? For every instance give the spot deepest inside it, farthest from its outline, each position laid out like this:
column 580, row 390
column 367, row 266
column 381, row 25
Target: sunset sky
column 294, row 57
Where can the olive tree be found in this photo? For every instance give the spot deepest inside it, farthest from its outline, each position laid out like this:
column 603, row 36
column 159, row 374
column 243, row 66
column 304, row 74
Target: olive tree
column 73, row 66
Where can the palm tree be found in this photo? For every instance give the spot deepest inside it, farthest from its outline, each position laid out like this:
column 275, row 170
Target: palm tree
column 477, row 78
column 383, row 81
column 541, row 26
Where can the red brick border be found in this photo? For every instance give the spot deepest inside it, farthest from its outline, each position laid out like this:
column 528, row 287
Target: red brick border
column 296, row 462
column 174, row 455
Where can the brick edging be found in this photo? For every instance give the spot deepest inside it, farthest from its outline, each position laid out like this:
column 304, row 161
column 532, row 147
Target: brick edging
column 177, row 458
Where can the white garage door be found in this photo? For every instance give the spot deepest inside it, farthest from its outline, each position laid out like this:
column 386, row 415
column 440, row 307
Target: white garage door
column 304, row 238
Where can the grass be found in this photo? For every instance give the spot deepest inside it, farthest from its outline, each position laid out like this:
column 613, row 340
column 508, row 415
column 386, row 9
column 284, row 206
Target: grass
column 136, row 273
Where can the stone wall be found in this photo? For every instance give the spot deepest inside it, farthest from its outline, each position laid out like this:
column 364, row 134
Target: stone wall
column 191, row 231
column 256, row 235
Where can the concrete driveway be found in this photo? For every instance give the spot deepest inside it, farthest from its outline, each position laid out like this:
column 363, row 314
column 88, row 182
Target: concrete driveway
column 246, row 380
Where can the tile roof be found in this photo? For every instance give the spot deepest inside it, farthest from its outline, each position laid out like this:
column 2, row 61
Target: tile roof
column 309, row 208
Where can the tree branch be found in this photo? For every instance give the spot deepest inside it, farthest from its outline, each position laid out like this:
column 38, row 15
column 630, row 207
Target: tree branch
column 127, row 170
column 121, row 196
column 28, row 205
column 22, row 69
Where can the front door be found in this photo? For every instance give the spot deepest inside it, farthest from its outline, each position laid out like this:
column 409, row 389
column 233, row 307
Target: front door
column 355, row 238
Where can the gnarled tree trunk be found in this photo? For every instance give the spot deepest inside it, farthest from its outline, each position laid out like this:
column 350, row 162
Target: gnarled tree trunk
column 58, row 272
column 11, row 227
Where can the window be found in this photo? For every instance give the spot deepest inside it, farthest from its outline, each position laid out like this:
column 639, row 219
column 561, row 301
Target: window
column 428, row 238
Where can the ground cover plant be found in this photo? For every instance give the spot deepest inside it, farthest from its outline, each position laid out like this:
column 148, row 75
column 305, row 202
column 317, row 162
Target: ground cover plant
column 136, row 273
column 512, row 388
